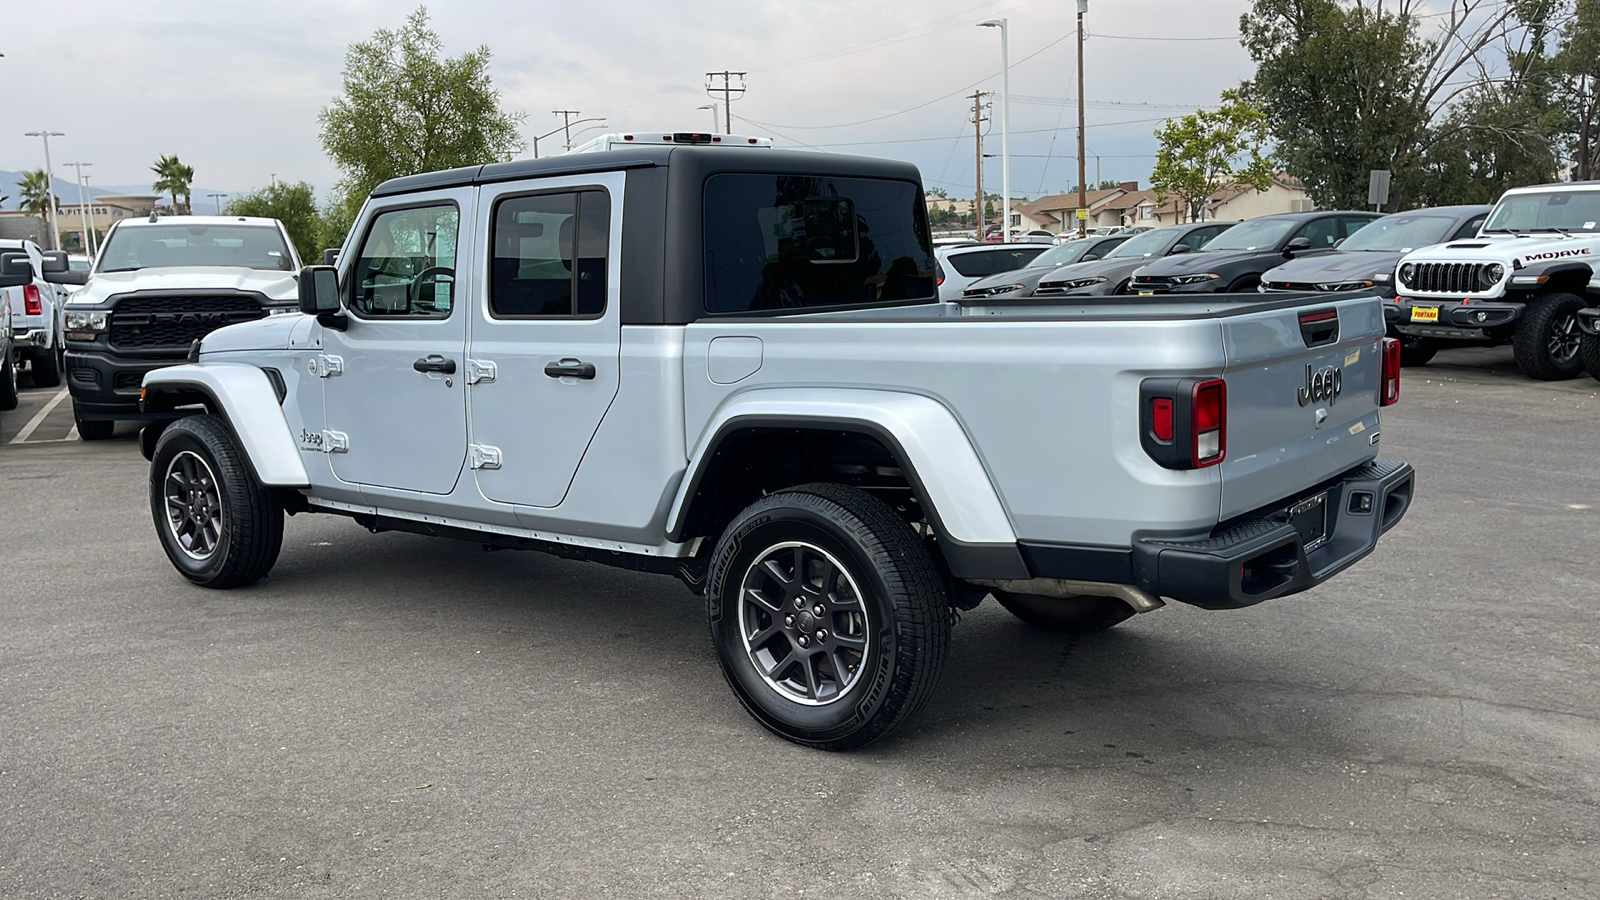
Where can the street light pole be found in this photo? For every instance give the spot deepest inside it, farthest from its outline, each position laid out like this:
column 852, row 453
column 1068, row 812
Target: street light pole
column 93, row 249
column 1005, row 124
column 713, row 108
column 1083, row 190
column 50, row 186
column 84, row 220
column 565, row 127
column 217, row 198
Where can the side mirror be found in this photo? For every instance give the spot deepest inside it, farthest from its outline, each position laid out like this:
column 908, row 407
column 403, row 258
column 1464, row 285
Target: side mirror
column 1180, row 248
column 15, row 270
column 1296, row 245
column 56, row 270
column 330, row 256
column 319, row 295
column 1337, row 243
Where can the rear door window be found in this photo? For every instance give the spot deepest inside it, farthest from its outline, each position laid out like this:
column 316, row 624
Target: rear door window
column 549, row 255
column 776, row 242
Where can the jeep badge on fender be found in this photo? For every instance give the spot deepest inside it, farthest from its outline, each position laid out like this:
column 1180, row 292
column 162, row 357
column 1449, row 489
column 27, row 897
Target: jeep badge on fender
column 1321, row 385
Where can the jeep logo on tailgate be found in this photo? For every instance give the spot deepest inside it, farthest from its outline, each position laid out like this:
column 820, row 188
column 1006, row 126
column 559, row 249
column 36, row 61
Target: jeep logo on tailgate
column 1323, row 384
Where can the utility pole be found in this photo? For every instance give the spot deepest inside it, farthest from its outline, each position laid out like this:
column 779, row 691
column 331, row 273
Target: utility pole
column 50, row 186
column 566, row 124
column 1083, row 192
column 977, row 132
column 274, row 177
column 729, row 91
column 84, row 220
column 1005, row 126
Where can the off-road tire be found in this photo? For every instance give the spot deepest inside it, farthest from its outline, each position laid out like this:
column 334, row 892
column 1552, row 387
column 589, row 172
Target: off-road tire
column 46, row 368
column 1530, row 345
column 904, row 602
column 1588, row 350
column 1066, row 615
column 1417, row 351
column 8, row 384
column 250, row 517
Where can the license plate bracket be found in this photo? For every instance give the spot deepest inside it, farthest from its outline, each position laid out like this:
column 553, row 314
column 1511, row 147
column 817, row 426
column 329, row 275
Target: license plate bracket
column 1310, row 518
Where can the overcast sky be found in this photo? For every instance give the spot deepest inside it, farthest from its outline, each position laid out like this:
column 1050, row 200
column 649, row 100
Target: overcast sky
column 234, row 88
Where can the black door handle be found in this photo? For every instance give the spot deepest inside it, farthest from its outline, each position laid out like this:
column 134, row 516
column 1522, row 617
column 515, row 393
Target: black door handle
column 435, row 363
column 570, row 368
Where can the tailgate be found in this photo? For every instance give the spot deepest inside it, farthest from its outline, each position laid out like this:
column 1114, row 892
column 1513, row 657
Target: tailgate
column 1302, row 400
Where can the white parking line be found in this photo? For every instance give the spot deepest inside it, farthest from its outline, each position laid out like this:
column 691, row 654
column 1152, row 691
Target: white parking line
column 38, row 418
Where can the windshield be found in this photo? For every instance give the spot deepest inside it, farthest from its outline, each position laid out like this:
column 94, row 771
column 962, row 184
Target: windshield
column 1064, row 254
column 166, row 246
column 1400, row 232
column 1142, row 244
column 1568, row 211
column 1259, row 234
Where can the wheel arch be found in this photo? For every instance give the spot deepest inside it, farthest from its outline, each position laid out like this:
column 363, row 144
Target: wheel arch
column 917, row 434
column 248, row 399
column 1560, row 278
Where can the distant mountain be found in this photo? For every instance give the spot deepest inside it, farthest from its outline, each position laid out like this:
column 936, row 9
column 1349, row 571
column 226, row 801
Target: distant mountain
column 67, row 191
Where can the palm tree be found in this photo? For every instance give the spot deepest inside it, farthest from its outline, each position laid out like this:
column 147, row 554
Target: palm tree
column 35, row 190
column 173, row 177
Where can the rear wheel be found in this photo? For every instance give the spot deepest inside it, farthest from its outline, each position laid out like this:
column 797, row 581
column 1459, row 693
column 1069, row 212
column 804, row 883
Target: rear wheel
column 1417, row 351
column 8, row 384
column 1545, row 345
column 1067, row 615
column 829, row 616
column 46, row 367
column 218, row 525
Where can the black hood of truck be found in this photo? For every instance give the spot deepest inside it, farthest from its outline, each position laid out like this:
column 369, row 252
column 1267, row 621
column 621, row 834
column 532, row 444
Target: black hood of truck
column 1355, row 265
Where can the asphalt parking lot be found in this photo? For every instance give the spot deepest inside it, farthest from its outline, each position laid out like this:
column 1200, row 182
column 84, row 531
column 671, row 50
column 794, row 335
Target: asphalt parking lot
column 394, row 716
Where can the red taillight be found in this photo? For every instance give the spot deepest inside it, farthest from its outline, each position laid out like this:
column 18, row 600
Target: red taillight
column 32, row 304
column 1161, row 418
column 1208, row 418
column 1389, row 383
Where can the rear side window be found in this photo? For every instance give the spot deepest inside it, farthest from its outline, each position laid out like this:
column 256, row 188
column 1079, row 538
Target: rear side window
column 777, row 242
column 549, row 256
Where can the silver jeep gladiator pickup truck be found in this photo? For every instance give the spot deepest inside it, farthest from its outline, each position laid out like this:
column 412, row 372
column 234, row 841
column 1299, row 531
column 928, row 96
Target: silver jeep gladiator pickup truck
column 733, row 368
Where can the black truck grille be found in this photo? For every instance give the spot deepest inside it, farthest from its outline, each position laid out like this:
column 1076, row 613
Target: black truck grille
column 1448, row 278
column 146, row 322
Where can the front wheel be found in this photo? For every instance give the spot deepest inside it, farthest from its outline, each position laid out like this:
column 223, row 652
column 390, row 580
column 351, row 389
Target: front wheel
column 8, row 383
column 1545, row 345
column 218, row 525
column 829, row 617
column 93, row 429
column 1589, row 349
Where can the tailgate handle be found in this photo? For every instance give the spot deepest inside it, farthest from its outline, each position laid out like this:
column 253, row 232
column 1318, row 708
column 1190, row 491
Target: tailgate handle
column 1319, row 327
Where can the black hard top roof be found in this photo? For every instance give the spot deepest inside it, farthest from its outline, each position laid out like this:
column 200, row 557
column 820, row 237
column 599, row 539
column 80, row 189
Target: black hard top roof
column 709, row 159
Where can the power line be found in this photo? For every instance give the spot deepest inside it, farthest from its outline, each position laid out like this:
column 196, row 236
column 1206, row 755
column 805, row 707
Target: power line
column 1137, row 37
column 920, row 140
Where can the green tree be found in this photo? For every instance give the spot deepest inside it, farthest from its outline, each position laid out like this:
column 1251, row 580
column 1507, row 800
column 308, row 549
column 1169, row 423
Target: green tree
column 293, row 204
column 34, row 194
column 174, row 178
column 1210, row 149
column 1353, row 85
column 407, row 109
column 1577, row 63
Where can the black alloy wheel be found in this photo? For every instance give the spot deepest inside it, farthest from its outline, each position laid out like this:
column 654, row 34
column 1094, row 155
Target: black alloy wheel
column 829, row 616
column 217, row 524
column 1547, row 342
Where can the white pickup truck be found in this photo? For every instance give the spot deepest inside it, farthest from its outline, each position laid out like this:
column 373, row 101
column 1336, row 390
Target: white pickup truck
column 732, row 368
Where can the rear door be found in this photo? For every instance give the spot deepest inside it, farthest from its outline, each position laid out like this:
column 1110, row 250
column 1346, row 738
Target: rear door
column 1302, row 398
column 546, row 333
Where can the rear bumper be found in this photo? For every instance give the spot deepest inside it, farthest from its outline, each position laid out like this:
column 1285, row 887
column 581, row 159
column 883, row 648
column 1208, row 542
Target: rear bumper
column 1246, row 561
column 31, row 338
column 1265, row 557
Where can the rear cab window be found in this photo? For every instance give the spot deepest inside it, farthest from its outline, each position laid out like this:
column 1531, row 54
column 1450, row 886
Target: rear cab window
column 776, row 242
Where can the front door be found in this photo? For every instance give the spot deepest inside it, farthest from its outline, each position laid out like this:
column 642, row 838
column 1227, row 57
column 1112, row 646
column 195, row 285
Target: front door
column 546, row 335
column 394, row 381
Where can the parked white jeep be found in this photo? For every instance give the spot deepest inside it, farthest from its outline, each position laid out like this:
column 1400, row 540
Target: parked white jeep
column 733, row 368
column 1521, row 281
